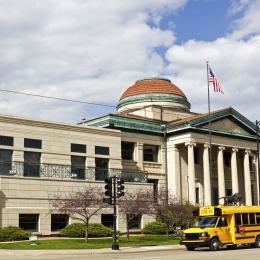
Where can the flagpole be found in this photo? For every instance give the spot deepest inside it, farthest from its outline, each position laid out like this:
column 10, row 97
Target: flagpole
column 211, row 179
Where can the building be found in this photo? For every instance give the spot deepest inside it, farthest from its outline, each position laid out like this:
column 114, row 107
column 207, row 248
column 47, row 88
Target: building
column 153, row 140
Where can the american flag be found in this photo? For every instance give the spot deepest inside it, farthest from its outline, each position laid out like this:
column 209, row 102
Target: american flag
column 212, row 79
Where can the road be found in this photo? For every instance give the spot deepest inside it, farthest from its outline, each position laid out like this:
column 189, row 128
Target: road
column 243, row 252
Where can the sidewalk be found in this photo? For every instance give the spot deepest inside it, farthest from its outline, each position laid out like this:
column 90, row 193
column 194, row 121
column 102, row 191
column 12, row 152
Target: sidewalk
column 6, row 252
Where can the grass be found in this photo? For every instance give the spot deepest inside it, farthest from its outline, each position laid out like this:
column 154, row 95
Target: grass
column 93, row 243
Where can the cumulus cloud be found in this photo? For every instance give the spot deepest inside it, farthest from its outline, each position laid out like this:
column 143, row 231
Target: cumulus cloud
column 82, row 50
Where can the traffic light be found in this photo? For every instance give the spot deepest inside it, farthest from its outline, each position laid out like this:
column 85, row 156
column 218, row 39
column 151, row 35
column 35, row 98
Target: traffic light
column 108, row 187
column 120, row 188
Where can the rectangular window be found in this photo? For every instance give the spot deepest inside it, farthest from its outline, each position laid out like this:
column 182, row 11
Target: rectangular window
column 238, row 219
column 107, row 220
column 127, row 151
column 58, row 222
column 102, row 150
column 78, row 167
column 252, row 218
column 5, row 161
column 78, row 148
column 228, row 192
column 150, row 153
column 197, row 195
column 6, row 140
column 32, row 166
column 32, row 143
column 227, row 159
column 257, row 218
column 245, row 218
column 251, row 163
column 135, row 223
column 101, row 171
column 196, row 155
column 29, row 222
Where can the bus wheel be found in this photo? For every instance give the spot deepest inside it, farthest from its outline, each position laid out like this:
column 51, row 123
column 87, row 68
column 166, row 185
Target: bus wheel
column 257, row 242
column 214, row 245
column 190, row 248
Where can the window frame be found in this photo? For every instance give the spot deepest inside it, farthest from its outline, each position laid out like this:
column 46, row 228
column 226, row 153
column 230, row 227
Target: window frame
column 124, row 150
column 30, row 222
column 59, row 222
column 146, row 153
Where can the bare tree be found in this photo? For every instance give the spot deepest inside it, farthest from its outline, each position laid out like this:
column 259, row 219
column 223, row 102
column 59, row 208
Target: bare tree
column 79, row 205
column 170, row 210
column 132, row 205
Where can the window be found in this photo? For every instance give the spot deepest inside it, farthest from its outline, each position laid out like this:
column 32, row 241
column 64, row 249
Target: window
column 257, row 218
column 102, row 150
column 135, row 223
column 32, row 143
column 252, row 218
column 32, row 165
column 101, row 171
column 78, row 167
column 127, row 151
column 78, row 148
column 5, row 161
column 196, row 155
column 227, row 159
column 237, row 219
column 107, row 220
column 222, row 222
column 150, row 153
column 58, row 222
column 251, row 163
column 29, row 222
column 245, row 218
column 6, row 140
column 155, row 187
column 197, row 195
column 228, row 192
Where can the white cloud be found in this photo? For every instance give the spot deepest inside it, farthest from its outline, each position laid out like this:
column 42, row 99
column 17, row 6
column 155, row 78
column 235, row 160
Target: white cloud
column 82, row 50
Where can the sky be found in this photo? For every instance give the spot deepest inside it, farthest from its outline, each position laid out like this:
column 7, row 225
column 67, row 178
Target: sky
column 92, row 51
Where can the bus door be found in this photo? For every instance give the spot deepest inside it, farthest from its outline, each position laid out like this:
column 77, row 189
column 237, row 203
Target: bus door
column 223, row 230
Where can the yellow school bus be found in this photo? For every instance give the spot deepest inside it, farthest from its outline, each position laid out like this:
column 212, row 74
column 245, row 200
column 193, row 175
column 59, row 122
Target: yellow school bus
column 223, row 226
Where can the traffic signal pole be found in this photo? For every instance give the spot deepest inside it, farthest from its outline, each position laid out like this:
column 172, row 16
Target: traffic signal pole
column 115, row 246
column 114, row 192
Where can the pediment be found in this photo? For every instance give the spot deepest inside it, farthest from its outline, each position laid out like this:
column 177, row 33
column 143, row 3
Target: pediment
column 227, row 125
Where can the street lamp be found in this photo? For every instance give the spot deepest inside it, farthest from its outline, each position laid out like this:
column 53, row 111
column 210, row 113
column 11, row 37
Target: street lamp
column 257, row 141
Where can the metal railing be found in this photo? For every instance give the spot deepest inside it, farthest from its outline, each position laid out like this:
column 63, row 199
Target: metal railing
column 69, row 172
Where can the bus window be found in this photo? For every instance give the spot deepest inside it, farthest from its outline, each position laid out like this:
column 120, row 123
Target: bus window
column 245, row 218
column 252, row 218
column 258, row 218
column 238, row 218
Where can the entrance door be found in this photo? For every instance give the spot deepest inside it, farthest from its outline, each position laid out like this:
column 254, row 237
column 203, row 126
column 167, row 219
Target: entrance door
column 223, row 231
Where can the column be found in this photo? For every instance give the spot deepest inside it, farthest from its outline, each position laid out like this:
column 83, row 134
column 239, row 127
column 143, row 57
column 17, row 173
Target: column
column 206, row 176
column 257, row 176
column 234, row 176
column 173, row 161
column 221, row 175
column 191, row 173
column 247, row 179
column 140, row 155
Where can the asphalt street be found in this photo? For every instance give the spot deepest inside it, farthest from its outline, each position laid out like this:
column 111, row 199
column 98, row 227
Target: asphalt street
column 177, row 252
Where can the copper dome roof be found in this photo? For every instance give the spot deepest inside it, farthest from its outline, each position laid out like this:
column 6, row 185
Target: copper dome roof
column 152, row 85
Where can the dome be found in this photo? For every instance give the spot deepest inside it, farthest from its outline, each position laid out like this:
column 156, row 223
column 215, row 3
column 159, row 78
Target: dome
column 153, row 91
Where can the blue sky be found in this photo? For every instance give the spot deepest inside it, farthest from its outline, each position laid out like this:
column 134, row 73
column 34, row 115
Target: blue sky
column 93, row 51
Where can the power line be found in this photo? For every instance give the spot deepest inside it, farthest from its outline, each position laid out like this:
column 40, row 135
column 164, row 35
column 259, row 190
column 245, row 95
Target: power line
column 63, row 99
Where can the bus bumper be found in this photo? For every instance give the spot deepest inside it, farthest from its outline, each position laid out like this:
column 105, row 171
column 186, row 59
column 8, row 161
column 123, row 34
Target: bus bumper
column 195, row 243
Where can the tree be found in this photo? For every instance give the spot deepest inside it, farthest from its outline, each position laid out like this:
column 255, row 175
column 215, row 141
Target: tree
column 132, row 205
column 80, row 205
column 170, row 210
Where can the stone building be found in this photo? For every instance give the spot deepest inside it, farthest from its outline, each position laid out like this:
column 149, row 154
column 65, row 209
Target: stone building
column 154, row 140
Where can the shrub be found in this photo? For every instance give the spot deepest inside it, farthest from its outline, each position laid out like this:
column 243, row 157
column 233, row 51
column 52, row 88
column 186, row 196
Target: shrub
column 154, row 227
column 12, row 233
column 94, row 230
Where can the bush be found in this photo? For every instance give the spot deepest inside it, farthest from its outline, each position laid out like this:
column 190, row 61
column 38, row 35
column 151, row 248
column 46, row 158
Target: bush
column 12, row 233
column 154, row 227
column 94, row 230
